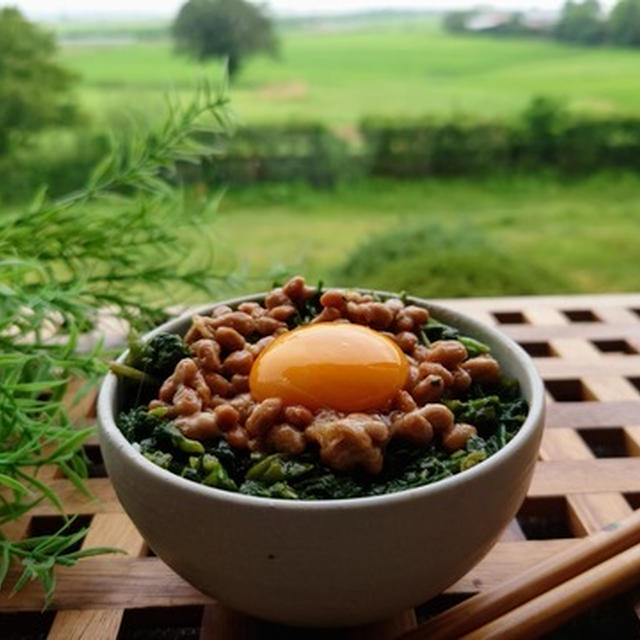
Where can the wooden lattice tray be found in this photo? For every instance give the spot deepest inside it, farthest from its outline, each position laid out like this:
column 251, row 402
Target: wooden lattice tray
column 587, row 349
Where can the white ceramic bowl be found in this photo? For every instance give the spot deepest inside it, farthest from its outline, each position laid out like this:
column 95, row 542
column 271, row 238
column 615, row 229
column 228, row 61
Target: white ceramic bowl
column 328, row 563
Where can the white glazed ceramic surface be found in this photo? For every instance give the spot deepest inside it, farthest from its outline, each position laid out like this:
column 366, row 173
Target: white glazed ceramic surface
column 328, row 563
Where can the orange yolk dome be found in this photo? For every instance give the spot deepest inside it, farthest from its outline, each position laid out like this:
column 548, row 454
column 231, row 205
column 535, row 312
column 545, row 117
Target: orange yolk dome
column 346, row 367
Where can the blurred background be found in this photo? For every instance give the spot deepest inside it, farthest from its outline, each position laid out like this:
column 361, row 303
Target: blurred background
column 434, row 147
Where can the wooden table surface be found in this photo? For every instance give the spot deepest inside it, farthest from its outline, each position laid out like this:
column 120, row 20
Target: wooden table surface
column 587, row 350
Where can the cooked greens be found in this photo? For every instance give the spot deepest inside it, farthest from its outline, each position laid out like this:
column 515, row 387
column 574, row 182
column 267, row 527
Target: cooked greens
column 158, row 356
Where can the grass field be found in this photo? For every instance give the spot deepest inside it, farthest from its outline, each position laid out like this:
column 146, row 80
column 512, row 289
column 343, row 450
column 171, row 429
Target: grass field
column 338, row 75
column 584, row 232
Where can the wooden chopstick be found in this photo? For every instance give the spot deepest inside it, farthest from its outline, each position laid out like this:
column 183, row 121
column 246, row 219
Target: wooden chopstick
column 551, row 609
column 557, row 569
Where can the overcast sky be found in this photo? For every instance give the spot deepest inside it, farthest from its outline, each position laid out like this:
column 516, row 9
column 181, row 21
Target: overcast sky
column 79, row 8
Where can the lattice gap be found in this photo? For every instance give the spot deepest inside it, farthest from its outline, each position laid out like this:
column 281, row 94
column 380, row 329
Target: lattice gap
column 607, row 442
column 27, row 625
column 581, row 315
column 48, row 525
column 544, row 518
column 538, row 349
column 95, row 463
column 569, row 390
column 509, row 317
column 617, row 347
column 635, row 381
column 161, row 623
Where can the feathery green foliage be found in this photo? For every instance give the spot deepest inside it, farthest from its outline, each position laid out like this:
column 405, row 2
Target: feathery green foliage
column 114, row 244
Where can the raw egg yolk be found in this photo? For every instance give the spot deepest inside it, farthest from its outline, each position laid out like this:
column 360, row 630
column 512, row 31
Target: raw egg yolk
column 346, row 367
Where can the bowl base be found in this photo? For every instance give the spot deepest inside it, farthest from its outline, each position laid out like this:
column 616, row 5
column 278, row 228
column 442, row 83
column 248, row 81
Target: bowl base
column 220, row 622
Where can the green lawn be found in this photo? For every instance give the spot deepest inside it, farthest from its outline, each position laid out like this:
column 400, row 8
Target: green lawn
column 337, row 76
column 587, row 232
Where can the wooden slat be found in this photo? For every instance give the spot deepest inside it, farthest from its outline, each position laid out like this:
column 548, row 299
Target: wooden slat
column 104, row 498
column 505, row 560
column 587, row 301
column 563, row 369
column 89, row 623
column 113, row 530
column 585, row 330
column 128, row 582
column 579, row 415
column 544, row 316
column 79, row 403
column 108, row 583
column 560, row 477
column 17, row 529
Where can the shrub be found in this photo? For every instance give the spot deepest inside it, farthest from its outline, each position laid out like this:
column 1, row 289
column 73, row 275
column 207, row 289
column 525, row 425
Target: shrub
column 406, row 148
column 545, row 136
column 280, row 153
column 581, row 22
column 536, row 136
column 433, row 260
column 624, row 23
column 591, row 144
column 61, row 160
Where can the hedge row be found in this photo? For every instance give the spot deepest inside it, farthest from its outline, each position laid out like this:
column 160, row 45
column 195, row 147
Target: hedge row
column 62, row 161
column 280, row 153
column 422, row 149
column 542, row 137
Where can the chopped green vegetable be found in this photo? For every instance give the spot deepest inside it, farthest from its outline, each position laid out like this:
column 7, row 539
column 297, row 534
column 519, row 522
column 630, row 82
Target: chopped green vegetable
column 131, row 373
column 435, row 330
column 277, row 467
column 472, row 459
column 168, row 430
column 161, row 458
column 216, row 474
column 474, row 347
column 278, row 490
column 139, row 423
column 482, row 413
column 159, row 356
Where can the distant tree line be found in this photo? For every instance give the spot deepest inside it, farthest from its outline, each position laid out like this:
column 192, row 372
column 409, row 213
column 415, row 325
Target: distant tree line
column 34, row 89
column 581, row 22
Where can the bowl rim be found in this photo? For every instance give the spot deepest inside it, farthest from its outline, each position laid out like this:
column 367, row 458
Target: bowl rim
column 107, row 427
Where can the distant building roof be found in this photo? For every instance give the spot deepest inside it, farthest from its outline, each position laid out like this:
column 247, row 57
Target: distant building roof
column 486, row 20
column 539, row 20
